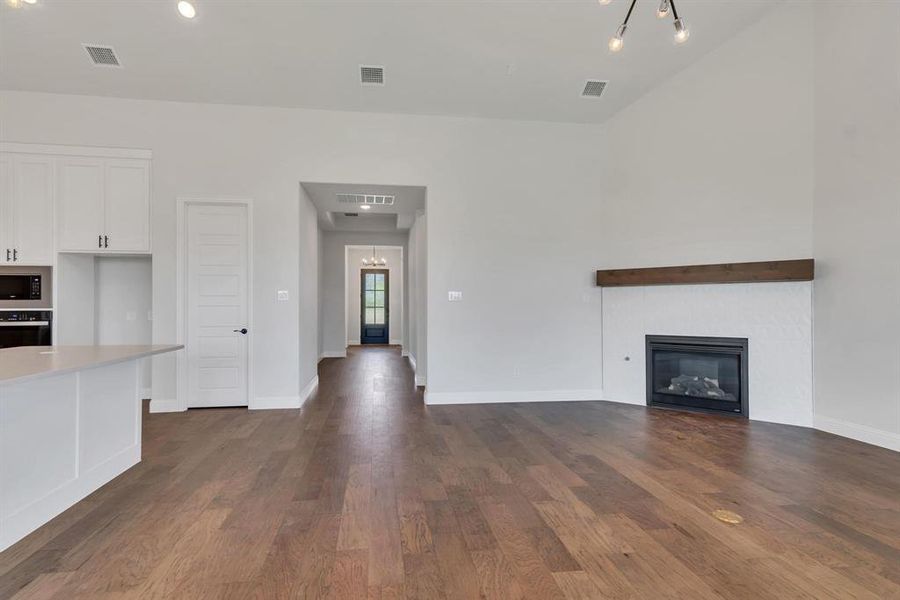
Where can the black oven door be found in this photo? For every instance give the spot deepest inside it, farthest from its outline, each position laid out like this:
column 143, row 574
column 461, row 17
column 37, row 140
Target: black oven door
column 26, row 333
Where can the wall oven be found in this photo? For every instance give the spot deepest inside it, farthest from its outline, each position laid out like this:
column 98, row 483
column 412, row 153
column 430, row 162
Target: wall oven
column 26, row 328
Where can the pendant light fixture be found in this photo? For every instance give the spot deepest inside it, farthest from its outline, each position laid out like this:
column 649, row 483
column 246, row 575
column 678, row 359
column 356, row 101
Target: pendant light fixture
column 682, row 33
column 374, row 261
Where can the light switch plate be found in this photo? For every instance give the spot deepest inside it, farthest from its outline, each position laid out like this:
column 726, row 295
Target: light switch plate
column 454, row 296
column 283, row 295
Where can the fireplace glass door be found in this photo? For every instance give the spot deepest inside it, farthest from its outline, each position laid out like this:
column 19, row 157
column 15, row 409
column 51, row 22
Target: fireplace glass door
column 698, row 373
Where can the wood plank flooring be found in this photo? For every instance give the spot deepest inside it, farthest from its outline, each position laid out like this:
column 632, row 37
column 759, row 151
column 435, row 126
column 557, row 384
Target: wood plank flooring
column 367, row 493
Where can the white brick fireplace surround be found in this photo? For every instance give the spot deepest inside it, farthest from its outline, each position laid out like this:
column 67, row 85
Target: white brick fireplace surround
column 776, row 318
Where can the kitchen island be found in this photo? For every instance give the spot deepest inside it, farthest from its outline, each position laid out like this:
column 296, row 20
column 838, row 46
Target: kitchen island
column 70, row 421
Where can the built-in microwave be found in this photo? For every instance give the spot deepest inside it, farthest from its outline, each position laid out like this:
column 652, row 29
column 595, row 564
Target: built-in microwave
column 20, row 286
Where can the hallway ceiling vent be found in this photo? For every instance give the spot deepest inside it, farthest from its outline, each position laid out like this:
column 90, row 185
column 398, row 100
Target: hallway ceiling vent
column 593, row 88
column 351, row 214
column 371, row 75
column 371, row 199
column 102, row 56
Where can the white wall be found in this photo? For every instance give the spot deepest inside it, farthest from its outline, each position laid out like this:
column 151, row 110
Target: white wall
column 857, row 220
column 395, row 267
column 123, row 304
column 308, row 305
column 333, row 284
column 715, row 165
column 418, row 277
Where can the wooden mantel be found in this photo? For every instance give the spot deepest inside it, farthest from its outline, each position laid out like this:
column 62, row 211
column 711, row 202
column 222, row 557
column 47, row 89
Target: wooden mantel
column 752, row 272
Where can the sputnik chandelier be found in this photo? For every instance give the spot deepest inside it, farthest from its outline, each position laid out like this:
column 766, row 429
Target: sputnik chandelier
column 665, row 7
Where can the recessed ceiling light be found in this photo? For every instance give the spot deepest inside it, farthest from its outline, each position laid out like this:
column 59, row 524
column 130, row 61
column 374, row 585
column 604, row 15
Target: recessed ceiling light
column 365, row 207
column 187, row 9
column 30, row 1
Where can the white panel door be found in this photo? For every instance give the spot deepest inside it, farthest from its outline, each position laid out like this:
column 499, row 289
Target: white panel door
column 31, row 210
column 127, row 198
column 6, row 192
column 80, row 204
column 217, row 304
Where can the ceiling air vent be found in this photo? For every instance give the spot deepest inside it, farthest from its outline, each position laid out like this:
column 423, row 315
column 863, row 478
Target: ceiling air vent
column 351, row 214
column 102, row 56
column 374, row 199
column 371, row 75
column 593, row 88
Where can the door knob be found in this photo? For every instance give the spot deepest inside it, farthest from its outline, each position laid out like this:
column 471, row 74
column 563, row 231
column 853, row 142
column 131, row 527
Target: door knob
column 242, row 331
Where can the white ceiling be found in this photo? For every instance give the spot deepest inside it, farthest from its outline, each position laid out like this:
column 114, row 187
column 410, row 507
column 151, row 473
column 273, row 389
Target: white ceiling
column 399, row 216
column 524, row 59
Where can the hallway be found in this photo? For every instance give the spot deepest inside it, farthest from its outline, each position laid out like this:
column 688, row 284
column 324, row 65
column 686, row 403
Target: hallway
column 367, row 493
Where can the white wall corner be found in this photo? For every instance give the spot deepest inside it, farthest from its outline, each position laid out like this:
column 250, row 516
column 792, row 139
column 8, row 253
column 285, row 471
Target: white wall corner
column 166, row 406
column 420, row 381
column 285, row 402
column 862, row 433
column 505, row 397
column 146, row 393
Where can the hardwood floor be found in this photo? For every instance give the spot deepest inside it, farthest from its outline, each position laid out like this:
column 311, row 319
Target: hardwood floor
column 367, row 493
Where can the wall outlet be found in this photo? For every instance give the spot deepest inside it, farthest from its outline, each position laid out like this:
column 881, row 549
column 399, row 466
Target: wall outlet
column 283, row 295
column 454, row 296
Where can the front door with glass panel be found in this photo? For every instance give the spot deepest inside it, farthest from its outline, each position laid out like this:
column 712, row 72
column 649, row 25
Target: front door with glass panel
column 374, row 306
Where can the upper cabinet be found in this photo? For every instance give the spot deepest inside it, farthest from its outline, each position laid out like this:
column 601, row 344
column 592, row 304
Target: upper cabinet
column 26, row 209
column 104, row 205
column 72, row 199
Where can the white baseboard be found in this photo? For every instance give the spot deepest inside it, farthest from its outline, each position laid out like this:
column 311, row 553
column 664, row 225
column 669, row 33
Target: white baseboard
column 503, row 397
column 145, row 393
column 404, row 352
column 19, row 524
column 275, row 402
column 166, row 406
column 412, row 361
column 396, row 342
column 308, row 390
column 420, row 380
column 862, row 433
column 333, row 354
column 353, row 343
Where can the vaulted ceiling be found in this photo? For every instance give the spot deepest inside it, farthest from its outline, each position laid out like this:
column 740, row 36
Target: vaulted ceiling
column 503, row 59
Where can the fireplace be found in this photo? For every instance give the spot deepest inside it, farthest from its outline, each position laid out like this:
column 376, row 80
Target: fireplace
column 706, row 374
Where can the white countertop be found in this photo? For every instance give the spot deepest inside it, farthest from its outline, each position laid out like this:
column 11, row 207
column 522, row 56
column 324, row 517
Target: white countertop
column 32, row 362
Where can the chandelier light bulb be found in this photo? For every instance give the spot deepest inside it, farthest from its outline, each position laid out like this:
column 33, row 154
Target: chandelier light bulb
column 617, row 41
column 187, row 9
column 681, row 32
column 604, row 2
column 663, row 11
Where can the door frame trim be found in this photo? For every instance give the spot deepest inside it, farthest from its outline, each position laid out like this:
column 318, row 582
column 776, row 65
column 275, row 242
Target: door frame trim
column 403, row 291
column 181, row 377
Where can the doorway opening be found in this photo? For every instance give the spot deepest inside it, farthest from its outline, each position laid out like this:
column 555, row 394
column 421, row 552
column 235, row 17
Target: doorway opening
column 374, row 306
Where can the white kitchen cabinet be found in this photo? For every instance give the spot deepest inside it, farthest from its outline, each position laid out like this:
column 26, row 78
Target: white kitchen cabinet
column 26, row 209
column 104, row 205
column 127, row 205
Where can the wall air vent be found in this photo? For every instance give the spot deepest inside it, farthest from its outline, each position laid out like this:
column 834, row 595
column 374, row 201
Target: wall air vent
column 373, row 199
column 351, row 214
column 371, row 75
column 593, row 88
column 102, row 56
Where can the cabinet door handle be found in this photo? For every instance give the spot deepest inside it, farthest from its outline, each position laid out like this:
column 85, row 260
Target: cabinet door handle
column 7, row 255
column 99, row 241
column 106, row 241
column 15, row 254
